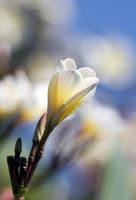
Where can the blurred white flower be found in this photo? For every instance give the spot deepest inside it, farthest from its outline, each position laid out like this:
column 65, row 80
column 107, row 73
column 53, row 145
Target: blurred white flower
column 34, row 105
column 18, row 94
column 111, row 57
column 59, row 12
column 98, row 119
column 14, row 90
column 11, row 27
column 106, row 125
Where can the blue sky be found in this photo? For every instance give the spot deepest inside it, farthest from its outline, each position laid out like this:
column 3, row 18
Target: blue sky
column 102, row 16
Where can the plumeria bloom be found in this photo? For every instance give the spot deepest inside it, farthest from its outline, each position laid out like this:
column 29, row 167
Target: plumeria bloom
column 110, row 57
column 29, row 103
column 105, row 126
column 67, row 90
column 11, row 95
column 97, row 119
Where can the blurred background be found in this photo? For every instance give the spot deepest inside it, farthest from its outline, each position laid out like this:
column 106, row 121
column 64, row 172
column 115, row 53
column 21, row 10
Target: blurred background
column 92, row 154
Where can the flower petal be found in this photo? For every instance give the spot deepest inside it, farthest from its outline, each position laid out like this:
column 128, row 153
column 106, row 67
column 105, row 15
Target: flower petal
column 71, row 105
column 62, row 86
column 89, row 81
column 68, row 63
column 87, row 72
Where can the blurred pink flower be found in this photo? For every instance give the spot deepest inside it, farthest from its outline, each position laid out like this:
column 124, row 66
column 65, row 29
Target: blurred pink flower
column 6, row 194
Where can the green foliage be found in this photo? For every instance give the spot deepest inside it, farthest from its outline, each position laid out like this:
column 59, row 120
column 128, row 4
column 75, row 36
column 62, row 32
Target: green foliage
column 115, row 185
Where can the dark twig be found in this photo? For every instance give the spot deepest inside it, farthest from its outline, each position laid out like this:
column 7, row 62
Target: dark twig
column 17, row 171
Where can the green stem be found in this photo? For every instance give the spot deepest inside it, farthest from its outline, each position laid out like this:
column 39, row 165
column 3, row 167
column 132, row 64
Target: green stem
column 21, row 194
column 36, row 155
column 20, row 198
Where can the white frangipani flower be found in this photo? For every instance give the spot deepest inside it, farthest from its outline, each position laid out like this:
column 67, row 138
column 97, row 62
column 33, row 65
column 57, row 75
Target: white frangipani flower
column 68, row 88
column 110, row 56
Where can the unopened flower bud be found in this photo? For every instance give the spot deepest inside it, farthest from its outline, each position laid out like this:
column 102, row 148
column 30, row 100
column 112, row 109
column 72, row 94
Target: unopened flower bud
column 39, row 131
